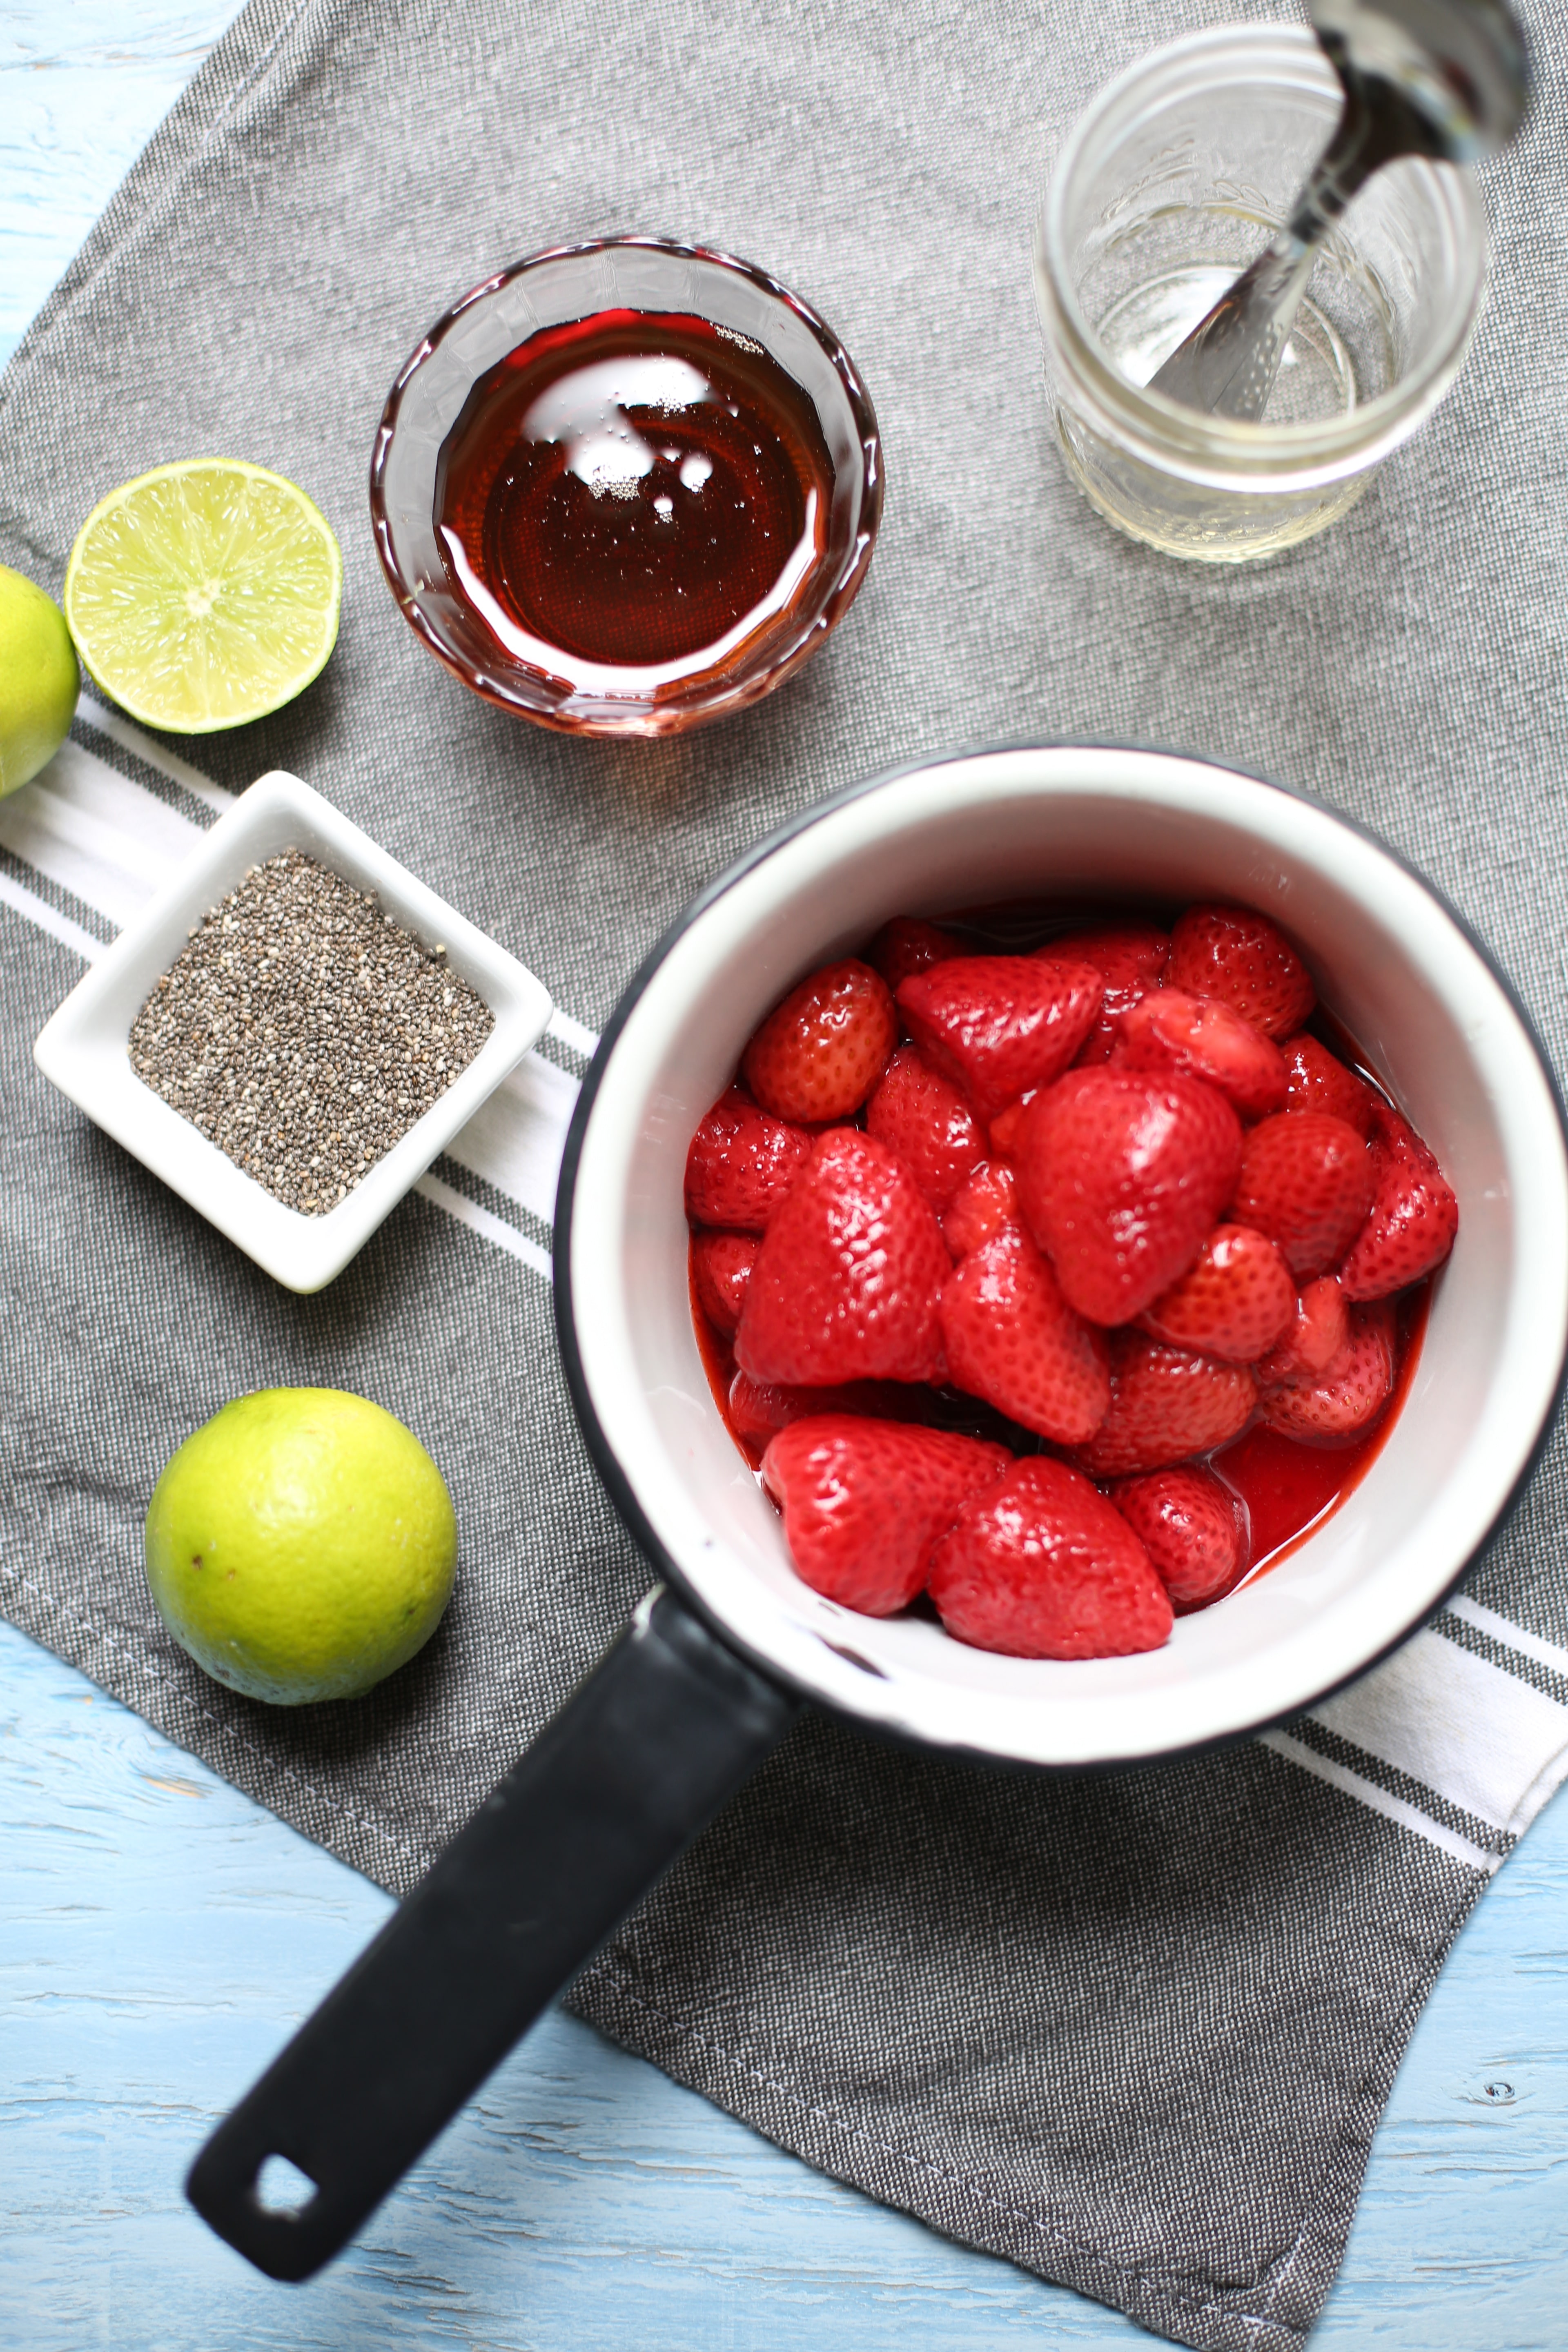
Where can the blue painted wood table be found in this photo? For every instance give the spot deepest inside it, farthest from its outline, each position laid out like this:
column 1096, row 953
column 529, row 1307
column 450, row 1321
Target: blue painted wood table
column 161, row 1936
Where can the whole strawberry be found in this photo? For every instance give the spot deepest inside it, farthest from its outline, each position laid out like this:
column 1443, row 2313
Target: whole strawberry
column 740, row 1164
column 1166, row 1404
column 1307, row 1183
column 1130, row 958
column 984, row 1203
column 864, row 1501
column 1243, row 958
column 721, row 1268
column 1121, row 1177
column 1317, row 1331
column 847, row 1281
column 907, row 945
column 1193, row 1527
column 998, row 1025
column 1414, row 1216
column 1012, row 1338
column 1317, row 1081
column 1200, row 1038
column 1348, row 1396
column 921, row 1116
column 818, row 1054
column 1042, row 1566
column 1235, row 1301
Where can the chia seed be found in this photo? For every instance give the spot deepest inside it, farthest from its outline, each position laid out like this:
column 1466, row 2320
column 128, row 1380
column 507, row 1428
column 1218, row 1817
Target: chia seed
column 303, row 1031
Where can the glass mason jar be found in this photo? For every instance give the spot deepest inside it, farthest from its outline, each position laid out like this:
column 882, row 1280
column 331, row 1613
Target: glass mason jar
column 1171, row 184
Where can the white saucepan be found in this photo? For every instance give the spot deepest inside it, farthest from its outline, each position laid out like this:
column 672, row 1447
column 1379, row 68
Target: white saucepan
column 715, row 1668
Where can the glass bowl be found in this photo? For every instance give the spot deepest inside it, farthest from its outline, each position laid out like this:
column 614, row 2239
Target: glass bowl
column 569, row 283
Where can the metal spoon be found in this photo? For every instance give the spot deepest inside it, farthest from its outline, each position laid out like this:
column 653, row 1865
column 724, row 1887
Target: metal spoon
column 1439, row 78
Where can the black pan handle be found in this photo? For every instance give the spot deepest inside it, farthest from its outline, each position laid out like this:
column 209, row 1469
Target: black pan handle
column 639, row 1760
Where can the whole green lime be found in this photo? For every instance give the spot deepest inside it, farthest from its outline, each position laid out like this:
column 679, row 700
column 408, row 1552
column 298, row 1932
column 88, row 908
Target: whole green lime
column 39, row 679
column 301, row 1545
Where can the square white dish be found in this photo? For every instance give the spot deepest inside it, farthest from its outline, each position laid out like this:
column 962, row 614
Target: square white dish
column 84, row 1049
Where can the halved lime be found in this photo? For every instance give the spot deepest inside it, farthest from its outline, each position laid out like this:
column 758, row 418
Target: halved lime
column 203, row 593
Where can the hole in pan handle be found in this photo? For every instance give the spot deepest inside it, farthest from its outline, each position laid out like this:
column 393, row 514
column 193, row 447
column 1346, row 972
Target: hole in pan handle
column 639, row 1759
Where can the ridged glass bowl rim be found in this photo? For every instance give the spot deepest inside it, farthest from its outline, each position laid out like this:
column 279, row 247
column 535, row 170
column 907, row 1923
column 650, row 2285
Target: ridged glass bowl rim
column 1229, row 453
column 727, row 691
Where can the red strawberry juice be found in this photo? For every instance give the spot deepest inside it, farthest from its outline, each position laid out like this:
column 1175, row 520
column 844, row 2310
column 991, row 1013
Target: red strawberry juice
column 1288, row 1489
column 1036, row 1264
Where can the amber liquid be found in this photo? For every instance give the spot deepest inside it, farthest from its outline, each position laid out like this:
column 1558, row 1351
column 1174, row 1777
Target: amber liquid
column 633, row 492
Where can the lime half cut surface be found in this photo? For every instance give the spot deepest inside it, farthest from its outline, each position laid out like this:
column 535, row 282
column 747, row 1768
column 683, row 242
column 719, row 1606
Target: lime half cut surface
column 203, row 595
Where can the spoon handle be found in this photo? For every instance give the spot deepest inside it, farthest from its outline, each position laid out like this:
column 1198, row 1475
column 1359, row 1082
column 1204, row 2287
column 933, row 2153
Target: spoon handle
column 1227, row 365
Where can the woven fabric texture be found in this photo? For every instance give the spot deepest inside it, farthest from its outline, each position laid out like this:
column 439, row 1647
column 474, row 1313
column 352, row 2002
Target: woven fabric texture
column 1132, row 2031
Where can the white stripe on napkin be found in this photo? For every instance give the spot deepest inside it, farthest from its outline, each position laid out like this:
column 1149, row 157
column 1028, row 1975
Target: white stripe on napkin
column 1437, row 1719
column 1474, row 1734
column 111, row 843
column 515, row 1139
column 1394, row 1809
column 481, row 1220
column 49, row 918
column 99, row 836
column 122, row 730
column 1528, row 1645
column 576, row 1034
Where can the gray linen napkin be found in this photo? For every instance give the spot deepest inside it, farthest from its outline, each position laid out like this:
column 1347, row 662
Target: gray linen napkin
column 1133, row 2032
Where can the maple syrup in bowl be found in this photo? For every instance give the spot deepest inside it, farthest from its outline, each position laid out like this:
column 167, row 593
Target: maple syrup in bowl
column 626, row 486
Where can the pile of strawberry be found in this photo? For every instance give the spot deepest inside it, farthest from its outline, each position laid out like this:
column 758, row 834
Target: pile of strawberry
column 1115, row 1190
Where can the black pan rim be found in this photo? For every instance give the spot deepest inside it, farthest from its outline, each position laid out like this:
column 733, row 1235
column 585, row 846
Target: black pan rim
column 602, row 1451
